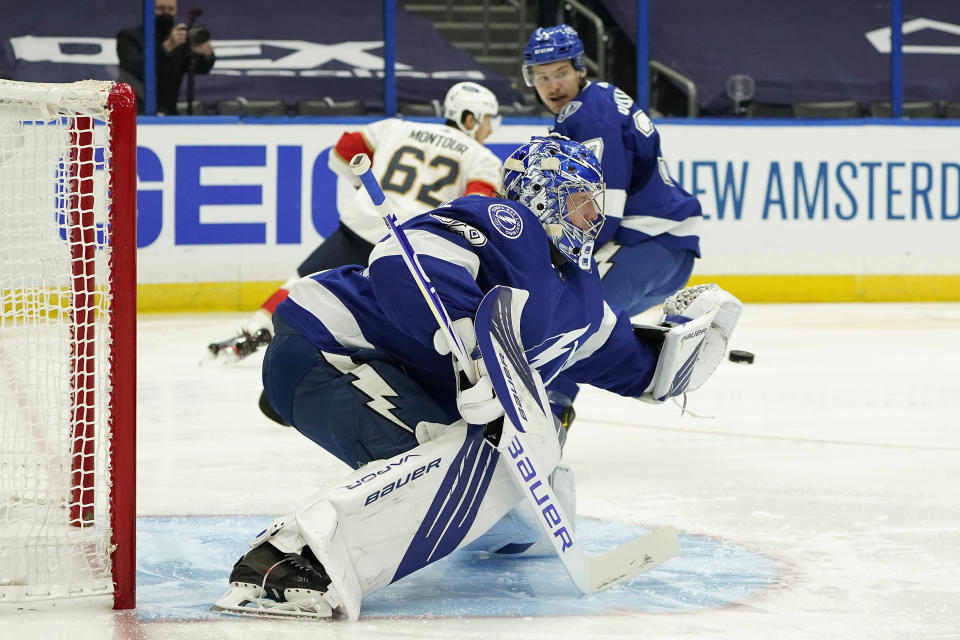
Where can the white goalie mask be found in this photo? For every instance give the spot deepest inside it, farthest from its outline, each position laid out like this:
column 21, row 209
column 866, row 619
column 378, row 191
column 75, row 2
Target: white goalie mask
column 473, row 98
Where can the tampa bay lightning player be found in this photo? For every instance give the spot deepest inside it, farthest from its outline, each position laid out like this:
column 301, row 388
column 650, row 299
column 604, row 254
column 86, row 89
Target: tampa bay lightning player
column 650, row 238
column 374, row 318
column 358, row 366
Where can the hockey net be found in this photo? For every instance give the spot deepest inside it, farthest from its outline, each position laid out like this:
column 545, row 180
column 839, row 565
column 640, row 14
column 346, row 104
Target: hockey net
column 67, row 341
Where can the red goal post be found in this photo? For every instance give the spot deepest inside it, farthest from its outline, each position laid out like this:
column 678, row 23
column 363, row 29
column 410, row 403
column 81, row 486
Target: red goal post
column 67, row 341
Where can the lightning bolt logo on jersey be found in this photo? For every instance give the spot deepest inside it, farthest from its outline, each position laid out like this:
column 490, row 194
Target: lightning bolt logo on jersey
column 604, row 256
column 372, row 384
column 506, row 220
column 343, row 311
column 555, row 352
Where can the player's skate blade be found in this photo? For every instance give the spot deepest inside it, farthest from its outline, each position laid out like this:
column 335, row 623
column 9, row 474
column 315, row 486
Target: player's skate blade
column 244, row 599
column 268, row 582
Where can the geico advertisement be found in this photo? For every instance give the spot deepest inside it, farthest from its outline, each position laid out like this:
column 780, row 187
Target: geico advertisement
column 227, row 202
column 231, row 202
column 241, row 202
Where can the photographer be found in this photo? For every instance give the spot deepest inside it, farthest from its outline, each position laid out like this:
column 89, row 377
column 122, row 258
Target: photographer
column 181, row 49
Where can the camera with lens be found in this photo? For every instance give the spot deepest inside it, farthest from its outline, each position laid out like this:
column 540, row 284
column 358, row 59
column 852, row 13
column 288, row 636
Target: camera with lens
column 196, row 32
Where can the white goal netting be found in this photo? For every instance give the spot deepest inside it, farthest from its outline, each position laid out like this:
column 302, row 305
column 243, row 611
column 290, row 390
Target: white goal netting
column 57, row 363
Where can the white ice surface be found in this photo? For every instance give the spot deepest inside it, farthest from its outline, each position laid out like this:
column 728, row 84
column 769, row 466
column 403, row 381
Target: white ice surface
column 836, row 455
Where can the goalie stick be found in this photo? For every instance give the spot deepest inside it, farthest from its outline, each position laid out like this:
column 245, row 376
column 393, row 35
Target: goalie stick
column 360, row 165
column 520, row 391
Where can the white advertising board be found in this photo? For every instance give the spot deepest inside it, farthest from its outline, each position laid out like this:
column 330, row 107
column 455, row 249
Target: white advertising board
column 822, row 199
column 239, row 202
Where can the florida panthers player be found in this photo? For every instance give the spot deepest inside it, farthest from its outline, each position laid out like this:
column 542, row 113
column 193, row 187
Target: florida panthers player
column 419, row 165
column 650, row 239
column 357, row 366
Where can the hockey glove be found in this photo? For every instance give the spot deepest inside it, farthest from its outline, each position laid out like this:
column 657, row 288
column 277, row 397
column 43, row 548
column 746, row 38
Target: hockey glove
column 694, row 328
column 477, row 403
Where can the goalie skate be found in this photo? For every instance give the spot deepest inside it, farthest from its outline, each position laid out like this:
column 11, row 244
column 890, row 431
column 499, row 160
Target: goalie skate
column 269, row 583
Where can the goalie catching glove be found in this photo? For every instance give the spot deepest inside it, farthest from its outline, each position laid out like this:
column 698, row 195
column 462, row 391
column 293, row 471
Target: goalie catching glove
column 695, row 325
column 477, row 403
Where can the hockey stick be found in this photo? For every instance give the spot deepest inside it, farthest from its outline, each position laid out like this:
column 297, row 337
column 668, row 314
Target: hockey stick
column 360, row 165
column 521, row 392
column 499, row 311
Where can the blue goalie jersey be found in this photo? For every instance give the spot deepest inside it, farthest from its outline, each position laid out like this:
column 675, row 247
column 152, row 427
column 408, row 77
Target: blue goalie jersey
column 466, row 248
column 642, row 200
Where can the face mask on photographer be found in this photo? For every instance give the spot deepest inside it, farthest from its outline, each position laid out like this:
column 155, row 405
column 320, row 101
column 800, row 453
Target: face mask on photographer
column 163, row 24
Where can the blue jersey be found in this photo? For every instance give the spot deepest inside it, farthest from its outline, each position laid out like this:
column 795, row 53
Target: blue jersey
column 466, row 248
column 642, row 200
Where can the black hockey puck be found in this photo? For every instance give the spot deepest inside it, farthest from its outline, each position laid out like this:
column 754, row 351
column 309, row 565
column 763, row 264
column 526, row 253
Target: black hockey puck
column 744, row 357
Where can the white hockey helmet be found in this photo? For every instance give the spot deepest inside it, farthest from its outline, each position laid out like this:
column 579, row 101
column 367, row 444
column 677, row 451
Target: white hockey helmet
column 472, row 97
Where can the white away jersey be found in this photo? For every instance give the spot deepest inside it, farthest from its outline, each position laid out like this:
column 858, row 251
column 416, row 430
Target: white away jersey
column 419, row 165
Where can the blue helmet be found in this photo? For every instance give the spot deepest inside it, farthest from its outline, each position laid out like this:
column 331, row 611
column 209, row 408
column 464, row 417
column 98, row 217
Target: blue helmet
column 552, row 44
column 561, row 182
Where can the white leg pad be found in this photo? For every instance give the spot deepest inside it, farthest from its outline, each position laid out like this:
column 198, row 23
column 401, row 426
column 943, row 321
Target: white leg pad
column 320, row 524
column 282, row 535
column 320, row 519
column 392, row 517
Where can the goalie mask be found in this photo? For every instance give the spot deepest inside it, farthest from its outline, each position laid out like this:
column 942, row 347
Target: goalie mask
column 473, row 98
column 552, row 44
column 561, row 182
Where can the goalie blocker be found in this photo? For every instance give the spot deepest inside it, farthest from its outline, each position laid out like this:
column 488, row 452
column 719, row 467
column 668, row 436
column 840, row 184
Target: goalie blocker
column 695, row 325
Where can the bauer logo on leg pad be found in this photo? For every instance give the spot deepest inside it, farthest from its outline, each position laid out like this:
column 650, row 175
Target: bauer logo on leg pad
column 374, row 474
column 399, row 482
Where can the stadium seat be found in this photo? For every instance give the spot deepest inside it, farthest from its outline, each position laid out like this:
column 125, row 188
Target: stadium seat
column 244, row 107
column 330, row 107
column 951, row 110
column 834, row 109
column 432, row 108
column 199, row 108
column 769, row 110
column 927, row 109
